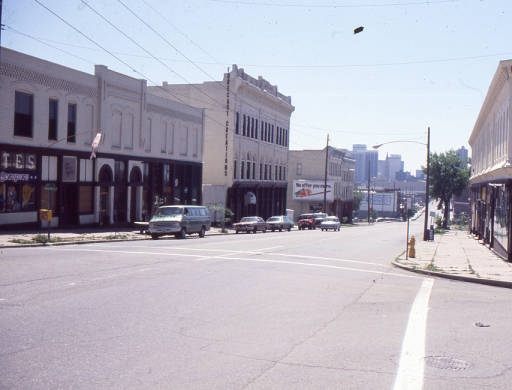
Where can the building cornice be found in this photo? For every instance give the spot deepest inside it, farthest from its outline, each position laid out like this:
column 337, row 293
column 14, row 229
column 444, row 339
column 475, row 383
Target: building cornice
column 501, row 76
column 30, row 76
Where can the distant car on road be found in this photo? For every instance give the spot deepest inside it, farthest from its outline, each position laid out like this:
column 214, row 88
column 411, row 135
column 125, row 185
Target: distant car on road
column 279, row 222
column 250, row 224
column 330, row 223
column 306, row 221
column 318, row 218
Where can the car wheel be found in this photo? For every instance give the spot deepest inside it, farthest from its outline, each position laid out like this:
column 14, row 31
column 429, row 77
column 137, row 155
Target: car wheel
column 290, row 228
column 202, row 232
column 255, row 230
column 182, row 234
column 154, row 236
column 236, row 231
column 280, row 229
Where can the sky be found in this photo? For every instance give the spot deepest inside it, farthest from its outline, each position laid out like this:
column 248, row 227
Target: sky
column 416, row 64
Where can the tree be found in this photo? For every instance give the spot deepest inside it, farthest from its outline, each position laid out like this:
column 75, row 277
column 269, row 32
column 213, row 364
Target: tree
column 448, row 176
column 357, row 198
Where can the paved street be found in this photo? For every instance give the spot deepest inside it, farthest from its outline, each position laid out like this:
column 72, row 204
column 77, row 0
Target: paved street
column 300, row 309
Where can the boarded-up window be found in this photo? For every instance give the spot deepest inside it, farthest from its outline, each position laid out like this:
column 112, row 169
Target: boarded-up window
column 86, row 206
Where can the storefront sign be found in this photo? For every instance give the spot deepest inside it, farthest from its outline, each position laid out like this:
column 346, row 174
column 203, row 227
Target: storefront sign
column 18, row 161
column 16, row 177
column 312, row 190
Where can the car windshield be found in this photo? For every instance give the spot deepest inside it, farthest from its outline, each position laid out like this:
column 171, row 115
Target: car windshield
column 306, row 216
column 249, row 219
column 332, row 219
column 168, row 211
column 274, row 219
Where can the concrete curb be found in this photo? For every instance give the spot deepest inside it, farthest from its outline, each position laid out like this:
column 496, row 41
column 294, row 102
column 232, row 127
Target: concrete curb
column 89, row 242
column 460, row 278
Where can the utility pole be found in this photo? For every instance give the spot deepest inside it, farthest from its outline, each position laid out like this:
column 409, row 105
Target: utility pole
column 368, row 193
column 325, row 174
column 425, row 227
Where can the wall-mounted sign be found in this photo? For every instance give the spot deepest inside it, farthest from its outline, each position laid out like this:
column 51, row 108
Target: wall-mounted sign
column 18, row 161
column 15, row 177
column 69, row 169
column 312, row 190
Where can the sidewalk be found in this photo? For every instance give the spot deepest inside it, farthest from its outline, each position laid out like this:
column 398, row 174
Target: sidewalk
column 79, row 236
column 456, row 254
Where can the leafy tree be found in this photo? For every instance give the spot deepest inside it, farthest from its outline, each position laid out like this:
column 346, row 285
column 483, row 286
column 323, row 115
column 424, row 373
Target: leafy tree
column 357, row 198
column 448, row 176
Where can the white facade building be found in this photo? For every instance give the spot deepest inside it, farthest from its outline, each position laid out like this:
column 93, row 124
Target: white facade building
column 249, row 154
column 491, row 164
column 151, row 146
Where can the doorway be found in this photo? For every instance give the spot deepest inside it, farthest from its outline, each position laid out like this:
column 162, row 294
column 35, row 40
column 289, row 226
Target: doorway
column 69, row 209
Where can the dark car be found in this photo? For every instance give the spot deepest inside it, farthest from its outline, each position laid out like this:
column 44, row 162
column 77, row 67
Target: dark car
column 306, row 221
column 250, row 224
column 318, row 218
column 279, row 222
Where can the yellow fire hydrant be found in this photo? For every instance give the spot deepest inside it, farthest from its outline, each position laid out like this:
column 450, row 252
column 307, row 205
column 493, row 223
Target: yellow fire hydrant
column 412, row 251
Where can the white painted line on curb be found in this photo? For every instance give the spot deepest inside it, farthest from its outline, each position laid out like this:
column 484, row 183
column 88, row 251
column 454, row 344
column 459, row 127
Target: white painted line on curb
column 412, row 359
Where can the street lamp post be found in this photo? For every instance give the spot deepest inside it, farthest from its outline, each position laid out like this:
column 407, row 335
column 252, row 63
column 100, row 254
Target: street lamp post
column 425, row 227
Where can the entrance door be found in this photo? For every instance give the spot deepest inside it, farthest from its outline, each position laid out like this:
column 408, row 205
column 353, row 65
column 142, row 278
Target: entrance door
column 133, row 203
column 69, row 209
column 104, row 206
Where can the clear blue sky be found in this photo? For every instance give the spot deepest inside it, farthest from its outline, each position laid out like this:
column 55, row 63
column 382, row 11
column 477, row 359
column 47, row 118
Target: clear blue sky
column 416, row 64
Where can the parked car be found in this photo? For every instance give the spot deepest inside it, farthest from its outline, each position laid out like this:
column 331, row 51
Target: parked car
column 180, row 221
column 330, row 223
column 250, row 224
column 279, row 222
column 306, row 221
column 318, row 218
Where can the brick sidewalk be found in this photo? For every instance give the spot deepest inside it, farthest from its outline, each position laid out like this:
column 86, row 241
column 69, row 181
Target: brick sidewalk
column 458, row 255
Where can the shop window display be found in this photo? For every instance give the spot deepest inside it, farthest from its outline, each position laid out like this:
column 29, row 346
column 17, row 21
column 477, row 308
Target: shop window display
column 16, row 197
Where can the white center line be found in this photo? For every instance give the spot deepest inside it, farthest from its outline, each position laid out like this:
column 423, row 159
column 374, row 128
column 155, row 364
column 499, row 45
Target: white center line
column 224, row 257
column 385, row 263
column 412, row 360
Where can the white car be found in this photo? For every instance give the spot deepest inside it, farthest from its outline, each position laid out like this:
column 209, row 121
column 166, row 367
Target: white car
column 330, row 223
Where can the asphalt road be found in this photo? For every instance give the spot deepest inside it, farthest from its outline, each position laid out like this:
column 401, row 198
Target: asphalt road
column 290, row 310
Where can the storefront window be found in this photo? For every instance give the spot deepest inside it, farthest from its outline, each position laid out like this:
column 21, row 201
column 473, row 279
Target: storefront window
column 501, row 217
column 15, row 197
column 86, row 205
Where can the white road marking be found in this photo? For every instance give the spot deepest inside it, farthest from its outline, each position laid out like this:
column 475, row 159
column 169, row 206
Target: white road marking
column 224, row 257
column 127, row 252
column 412, row 359
column 260, row 252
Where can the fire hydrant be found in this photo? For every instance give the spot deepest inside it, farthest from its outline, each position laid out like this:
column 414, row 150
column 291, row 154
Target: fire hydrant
column 412, row 251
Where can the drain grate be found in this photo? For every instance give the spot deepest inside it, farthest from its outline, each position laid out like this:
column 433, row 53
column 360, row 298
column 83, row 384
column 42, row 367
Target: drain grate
column 446, row 363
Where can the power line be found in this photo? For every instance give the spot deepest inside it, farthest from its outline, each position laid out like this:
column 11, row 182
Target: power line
column 147, row 51
column 162, row 37
column 311, row 5
column 49, row 45
column 162, row 15
column 276, row 66
column 116, row 57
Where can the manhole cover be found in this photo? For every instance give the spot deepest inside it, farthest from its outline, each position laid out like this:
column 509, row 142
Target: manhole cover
column 446, row 363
